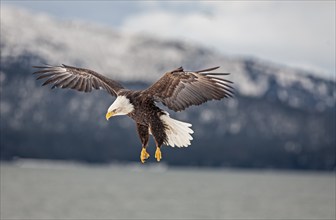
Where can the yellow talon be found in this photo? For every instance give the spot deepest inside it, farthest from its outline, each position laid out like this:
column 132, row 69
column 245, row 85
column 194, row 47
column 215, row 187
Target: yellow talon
column 158, row 155
column 144, row 155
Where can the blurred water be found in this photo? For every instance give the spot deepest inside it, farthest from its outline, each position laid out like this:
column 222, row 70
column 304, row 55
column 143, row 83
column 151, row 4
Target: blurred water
column 65, row 191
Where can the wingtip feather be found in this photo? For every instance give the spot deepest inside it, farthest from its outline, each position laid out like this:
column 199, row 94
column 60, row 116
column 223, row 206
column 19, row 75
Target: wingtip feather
column 207, row 70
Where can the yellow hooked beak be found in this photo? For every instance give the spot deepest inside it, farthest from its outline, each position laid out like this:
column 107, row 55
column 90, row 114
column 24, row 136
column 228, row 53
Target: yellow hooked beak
column 109, row 115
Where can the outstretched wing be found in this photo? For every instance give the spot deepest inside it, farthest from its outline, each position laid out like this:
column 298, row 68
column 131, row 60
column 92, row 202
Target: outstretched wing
column 80, row 79
column 180, row 89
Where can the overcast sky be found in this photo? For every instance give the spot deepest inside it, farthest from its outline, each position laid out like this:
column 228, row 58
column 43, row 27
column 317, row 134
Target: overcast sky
column 295, row 33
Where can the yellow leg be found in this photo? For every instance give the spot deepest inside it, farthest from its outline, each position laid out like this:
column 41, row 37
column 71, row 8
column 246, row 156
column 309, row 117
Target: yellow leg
column 144, row 155
column 158, row 155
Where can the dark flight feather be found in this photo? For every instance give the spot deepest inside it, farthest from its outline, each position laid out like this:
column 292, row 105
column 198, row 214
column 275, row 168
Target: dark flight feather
column 81, row 79
column 180, row 89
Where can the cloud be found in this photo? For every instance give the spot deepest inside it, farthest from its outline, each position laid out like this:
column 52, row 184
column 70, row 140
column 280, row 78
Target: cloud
column 295, row 33
column 299, row 34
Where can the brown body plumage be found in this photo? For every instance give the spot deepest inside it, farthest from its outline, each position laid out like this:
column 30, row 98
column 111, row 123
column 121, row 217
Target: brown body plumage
column 147, row 117
column 177, row 90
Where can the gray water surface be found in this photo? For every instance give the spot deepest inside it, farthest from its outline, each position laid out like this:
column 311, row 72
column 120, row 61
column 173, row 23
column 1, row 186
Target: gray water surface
column 67, row 191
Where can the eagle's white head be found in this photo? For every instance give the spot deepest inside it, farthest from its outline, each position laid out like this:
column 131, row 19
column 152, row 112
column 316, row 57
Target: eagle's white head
column 121, row 106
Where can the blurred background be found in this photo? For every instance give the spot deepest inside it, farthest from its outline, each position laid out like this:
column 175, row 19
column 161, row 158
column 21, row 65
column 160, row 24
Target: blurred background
column 267, row 153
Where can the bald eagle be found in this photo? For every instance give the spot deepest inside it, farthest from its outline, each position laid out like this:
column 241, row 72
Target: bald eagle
column 177, row 89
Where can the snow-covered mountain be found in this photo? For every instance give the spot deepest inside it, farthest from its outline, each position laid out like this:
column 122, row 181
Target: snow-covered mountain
column 278, row 112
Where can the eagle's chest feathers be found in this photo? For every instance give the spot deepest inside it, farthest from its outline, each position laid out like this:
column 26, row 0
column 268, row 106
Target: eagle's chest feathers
column 145, row 111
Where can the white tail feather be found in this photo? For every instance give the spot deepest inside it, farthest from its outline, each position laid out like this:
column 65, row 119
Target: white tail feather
column 178, row 132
